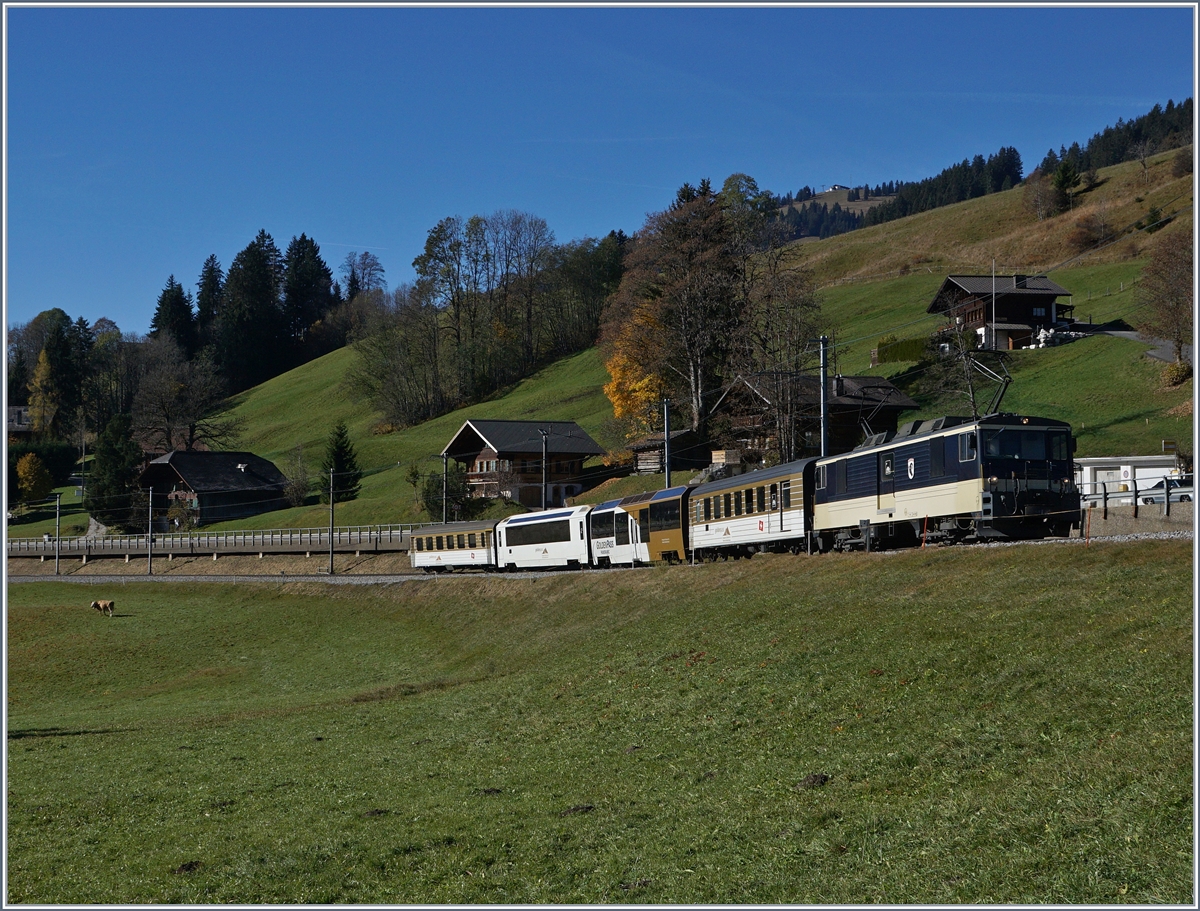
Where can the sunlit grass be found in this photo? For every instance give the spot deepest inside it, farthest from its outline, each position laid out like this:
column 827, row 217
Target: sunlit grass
column 995, row 725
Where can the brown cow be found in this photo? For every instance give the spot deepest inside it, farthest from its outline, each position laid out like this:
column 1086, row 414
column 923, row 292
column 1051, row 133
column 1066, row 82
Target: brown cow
column 105, row 607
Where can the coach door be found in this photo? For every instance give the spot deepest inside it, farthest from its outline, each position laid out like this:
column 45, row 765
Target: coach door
column 887, row 483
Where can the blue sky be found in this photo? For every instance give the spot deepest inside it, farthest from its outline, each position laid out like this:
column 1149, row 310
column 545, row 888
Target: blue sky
column 139, row 141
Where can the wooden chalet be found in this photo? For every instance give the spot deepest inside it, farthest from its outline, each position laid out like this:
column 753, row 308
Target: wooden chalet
column 504, row 458
column 1015, row 307
column 215, row 486
column 688, row 451
column 858, row 406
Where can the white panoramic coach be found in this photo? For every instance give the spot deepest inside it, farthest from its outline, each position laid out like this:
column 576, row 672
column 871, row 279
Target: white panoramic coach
column 544, row 539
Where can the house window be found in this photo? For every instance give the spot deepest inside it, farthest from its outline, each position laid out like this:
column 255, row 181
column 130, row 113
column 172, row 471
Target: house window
column 1039, row 311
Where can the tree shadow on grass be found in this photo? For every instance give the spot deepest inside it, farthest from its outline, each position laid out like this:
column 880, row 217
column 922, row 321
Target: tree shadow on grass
column 22, row 733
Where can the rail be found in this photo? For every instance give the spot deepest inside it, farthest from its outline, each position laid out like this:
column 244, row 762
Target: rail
column 277, row 540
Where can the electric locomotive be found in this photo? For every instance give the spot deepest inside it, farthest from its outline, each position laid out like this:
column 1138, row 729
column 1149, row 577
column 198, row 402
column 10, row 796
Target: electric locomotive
column 949, row 480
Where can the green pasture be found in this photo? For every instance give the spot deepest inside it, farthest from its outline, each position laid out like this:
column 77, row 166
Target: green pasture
column 977, row 725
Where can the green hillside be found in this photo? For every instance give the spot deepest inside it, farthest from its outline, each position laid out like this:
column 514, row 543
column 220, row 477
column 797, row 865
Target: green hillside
column 299, row 407
column 832, row 730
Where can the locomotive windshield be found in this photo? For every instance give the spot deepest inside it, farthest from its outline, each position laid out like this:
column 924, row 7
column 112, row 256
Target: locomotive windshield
column 1029, row 445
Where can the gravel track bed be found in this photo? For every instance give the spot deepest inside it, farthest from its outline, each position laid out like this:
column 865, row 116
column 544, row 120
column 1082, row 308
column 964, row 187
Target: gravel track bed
column 395, row 578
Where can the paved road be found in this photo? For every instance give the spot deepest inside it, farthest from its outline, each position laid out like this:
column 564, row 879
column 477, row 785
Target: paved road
column 1162, row 350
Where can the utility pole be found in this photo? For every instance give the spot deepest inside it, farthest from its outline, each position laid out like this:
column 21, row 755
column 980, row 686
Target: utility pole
column 57, row 528
column 667, row 440
column 331, row 521
column 993, row 345
column 445, row 486
column 149, row 535
column 545, row 434
column 824, row 396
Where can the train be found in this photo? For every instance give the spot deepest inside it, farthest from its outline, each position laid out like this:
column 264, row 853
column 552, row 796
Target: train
column 947, row 480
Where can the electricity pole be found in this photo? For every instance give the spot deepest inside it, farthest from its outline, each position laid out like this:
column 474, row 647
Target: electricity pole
column 150, row 535
column 331, row 521
column 544, row 433
column 667, row 440
column 824, row 395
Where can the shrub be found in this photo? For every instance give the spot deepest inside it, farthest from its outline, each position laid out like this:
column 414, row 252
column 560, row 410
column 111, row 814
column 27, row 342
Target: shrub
column 1182, row 163
column 1175, row 374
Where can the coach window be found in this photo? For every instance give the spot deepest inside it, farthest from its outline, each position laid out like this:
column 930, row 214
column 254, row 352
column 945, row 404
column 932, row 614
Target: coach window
column 820, row 477
column 460, row 542
column 471, row 540
column 707, row 509
column 439, row 542
column 786, row 487
column 774, row 497
column 762, row 499
column 449, row 542
column 728, row 505
column 420, row 543
column 750, row 501
column 737, row 502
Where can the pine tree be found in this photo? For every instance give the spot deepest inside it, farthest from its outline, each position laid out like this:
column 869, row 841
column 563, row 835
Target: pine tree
column 209, row 291
column 250, row 325
column 114, row 473
column 174, row 318
column 340, row 458
column 307, row 288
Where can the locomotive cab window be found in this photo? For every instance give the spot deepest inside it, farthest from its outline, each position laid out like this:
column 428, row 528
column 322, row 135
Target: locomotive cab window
column 966, row 447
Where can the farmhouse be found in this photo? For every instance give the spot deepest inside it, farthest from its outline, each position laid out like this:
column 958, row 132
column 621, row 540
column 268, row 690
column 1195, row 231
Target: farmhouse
column 505, row 458
column 768, row 405
column 688, row 451
column 1012, row 307
column 215, row 486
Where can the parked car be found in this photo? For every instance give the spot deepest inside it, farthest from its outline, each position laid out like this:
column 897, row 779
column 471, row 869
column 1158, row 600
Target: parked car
column 1181, row 491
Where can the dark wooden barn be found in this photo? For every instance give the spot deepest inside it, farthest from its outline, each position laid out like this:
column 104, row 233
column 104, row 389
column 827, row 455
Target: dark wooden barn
column 215, row 486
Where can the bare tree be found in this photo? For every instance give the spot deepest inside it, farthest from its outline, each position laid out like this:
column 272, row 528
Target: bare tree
column 1166, row 291
column 1140, row 151
column 180, row 404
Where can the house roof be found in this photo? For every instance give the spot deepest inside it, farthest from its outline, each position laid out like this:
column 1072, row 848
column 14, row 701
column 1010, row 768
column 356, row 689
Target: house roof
column 956, row 287
column 225, row 472
column 857, row 392
column 655, row 440
column 521, row 438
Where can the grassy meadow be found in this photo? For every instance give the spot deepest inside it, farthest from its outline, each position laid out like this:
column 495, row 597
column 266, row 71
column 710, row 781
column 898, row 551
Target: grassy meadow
column 964, row 725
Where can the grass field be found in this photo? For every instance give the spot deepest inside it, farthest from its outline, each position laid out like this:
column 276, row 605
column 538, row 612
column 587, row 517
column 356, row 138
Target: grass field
column 967, row 725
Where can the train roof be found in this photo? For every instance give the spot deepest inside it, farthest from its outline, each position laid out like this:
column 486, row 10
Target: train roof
column 929, row 427
column 752, row 478
column 528, row 517
column 454, row 528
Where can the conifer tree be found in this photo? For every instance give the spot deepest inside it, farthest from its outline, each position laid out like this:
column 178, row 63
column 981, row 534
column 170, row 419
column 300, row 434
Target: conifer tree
column 341, row 459
column 114, row 473
column 174, row 318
